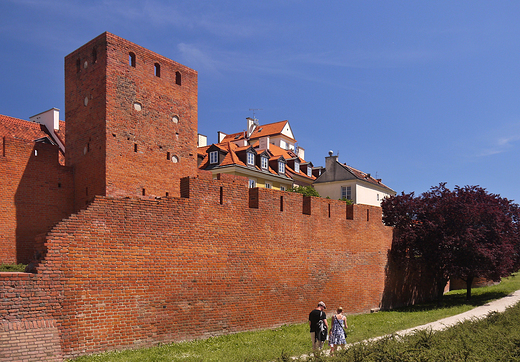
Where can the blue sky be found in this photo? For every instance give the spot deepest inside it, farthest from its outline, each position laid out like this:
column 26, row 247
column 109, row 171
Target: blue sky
column 414, row 92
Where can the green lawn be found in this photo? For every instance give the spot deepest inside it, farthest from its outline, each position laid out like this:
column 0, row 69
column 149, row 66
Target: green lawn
column 294, row 340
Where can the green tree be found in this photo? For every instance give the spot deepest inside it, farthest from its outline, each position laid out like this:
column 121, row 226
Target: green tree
column 466, row 233
column 305, row 190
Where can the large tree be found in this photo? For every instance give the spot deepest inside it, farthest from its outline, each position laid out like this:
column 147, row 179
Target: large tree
column 464, row 233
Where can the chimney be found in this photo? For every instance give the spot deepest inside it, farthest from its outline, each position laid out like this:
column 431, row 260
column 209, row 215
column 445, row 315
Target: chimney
column 251, row 126
column 300, row 152
column 51, row 120
column 202, row 140
column 263, row 143
column 220, row 136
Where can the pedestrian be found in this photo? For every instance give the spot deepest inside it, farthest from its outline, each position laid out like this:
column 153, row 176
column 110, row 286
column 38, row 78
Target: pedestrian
column 315, row 317
column 338, row 331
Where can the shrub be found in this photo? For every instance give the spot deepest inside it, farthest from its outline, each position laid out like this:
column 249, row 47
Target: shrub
column 305, row 190
column 12, row 267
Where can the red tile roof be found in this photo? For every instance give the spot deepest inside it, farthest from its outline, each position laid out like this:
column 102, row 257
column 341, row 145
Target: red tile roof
column 270, row 129
column 364, row 176
column 232, row 158
column 26, row 130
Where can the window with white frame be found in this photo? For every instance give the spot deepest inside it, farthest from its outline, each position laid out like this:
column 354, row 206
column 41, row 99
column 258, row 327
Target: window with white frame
column 297, row 166
column 268, row 185
column 250, row 159
column 346, row 192
column 265, row 163
column 281, row 167
column 213, row 157
column 309, row 171
column 252, row 183
column 282, row 188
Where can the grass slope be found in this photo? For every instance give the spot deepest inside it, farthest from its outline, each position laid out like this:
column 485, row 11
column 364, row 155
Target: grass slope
column 294, row 340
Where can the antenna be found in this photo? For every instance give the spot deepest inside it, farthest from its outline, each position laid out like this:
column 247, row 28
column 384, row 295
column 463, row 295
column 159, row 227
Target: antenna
column 255, row 109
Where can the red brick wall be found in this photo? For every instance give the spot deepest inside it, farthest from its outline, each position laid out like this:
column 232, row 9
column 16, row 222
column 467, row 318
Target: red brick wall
column 28, row 328
column 85, row 115
column 117, row 150
column 136, row 271
column 36, row 193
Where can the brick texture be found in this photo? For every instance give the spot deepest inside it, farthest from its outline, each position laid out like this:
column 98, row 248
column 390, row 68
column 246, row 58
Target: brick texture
column 129, row 131
column 136, row 242
column 28, row 330
column 130, row 272
column 36, row 193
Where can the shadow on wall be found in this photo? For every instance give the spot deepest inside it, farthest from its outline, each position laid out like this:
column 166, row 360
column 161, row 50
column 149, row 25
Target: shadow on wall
column 44, row 196
column 407, row 282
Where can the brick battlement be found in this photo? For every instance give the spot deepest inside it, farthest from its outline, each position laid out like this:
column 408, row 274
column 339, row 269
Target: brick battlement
column 142, row 265
column 133, row 241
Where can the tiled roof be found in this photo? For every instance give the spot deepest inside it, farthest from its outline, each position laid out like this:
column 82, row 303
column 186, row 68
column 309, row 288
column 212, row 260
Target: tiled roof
column 26, row 130
column 268, row 129
column 364, row 176
column 232, row 158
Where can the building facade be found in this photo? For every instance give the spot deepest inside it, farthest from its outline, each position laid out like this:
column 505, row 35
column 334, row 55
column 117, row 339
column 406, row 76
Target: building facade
column 340, row 181
column 266, row 154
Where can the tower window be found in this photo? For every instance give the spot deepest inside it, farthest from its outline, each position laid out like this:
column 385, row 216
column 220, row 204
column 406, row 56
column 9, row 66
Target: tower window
column 178, row 78
column 131, row 59
column 94, row 55
column 157, row 69
column 78, row 65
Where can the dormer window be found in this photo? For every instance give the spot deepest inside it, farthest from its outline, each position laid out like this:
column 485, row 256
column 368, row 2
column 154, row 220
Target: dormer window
column 213, row 157
column 265, row 163
column 250, row 159
column 297, row 166
column 281, row 167
column 309, row 171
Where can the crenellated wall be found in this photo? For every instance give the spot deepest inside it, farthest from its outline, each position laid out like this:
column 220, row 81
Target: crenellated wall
column 131, row 271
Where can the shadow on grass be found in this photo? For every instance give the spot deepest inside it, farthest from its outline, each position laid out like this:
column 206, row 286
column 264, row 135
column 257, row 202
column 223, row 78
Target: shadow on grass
column 456, row 299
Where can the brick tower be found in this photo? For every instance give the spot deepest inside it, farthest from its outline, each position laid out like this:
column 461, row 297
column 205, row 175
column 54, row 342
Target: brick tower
column 131, row 120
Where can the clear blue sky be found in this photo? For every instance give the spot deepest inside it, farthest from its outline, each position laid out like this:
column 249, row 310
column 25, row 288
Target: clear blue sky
column 417, row 92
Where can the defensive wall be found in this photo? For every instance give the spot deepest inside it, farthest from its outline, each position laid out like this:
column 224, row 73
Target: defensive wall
column 132, row 272
column 36, row 193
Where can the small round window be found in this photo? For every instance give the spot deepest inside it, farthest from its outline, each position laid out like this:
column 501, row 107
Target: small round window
column 175, row 159
column 175, row 119
column 138, row 106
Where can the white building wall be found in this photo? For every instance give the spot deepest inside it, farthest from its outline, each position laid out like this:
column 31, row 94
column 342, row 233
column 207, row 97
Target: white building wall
column 361, row 194
column 369, row 196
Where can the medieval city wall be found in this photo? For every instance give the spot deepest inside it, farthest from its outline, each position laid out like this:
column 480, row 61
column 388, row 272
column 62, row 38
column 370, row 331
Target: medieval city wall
column 132, row 272
column 36, row 193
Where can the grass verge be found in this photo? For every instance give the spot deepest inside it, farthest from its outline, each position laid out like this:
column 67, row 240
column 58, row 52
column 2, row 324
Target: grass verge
column 294, row 340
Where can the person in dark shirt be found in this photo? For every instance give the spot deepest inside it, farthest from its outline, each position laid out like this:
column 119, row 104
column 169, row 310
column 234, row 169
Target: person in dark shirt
column 315, row 317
